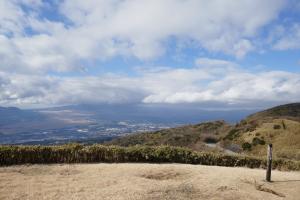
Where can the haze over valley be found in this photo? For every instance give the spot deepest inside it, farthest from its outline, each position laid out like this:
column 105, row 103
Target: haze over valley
column 96, row 123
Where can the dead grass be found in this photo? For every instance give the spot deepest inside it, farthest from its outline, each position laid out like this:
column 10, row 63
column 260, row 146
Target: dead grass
column 143, row 181
column 182, row 191
column 164, row 174
column 285, row 140
column 261, row 187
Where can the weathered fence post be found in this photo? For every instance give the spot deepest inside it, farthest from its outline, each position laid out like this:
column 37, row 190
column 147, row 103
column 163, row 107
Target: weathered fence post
column 269, row 163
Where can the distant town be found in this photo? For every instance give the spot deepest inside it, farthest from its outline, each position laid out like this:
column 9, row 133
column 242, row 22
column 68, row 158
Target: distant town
column 91, row 133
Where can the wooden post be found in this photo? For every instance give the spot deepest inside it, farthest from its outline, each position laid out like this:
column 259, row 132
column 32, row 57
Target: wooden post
column 269, row 163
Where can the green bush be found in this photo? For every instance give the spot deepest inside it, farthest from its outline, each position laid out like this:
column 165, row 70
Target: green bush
column 256, row 141
column 246, row 146
column 210, row 139
column 232, row 134
column 75, row 153
column 276, row 126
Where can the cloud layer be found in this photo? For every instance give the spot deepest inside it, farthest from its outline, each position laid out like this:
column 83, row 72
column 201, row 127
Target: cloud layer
column 101, row 30
column 200, row 84
column 42, row 41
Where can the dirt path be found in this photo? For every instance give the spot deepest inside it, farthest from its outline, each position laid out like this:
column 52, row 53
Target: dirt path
column 217, row 146
column 144, row 181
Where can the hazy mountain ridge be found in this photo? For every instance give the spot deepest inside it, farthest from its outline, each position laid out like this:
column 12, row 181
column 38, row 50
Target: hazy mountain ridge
column 11, row 115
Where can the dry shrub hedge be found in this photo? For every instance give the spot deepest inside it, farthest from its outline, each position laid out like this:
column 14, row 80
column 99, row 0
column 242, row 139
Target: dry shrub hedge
column 76, row 153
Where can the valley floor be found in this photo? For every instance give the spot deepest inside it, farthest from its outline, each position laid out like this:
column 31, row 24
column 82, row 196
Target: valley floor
column 144, row 181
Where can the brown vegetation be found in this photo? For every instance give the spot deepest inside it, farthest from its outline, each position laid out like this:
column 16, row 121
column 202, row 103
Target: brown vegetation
column 143, row 182
column 191, row 136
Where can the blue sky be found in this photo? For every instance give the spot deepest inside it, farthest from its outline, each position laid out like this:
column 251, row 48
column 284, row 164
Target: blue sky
column 234, row 53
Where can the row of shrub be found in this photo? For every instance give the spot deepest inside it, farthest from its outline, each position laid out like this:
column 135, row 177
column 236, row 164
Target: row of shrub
column 75, row 153
column 255, row 141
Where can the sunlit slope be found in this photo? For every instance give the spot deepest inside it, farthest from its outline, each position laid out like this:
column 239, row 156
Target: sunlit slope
column 279, row 126
column 284, row 134
column 192, row 136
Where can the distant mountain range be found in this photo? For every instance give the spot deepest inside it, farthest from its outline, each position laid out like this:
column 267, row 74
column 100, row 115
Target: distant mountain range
column 12, row 115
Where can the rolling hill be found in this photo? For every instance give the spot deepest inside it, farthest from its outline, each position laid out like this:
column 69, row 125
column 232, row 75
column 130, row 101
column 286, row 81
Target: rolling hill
column 12, row 115
column 279, row 125
column 192, row 136
column 290, row 111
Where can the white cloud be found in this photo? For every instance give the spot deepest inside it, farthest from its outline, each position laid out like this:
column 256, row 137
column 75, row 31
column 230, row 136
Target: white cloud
column 11, row 18
column 232, row 85
column 235, row 87
column 101, row 30
column 98, row 30
column 208, row 62
column 144, row 25
column 289, row 38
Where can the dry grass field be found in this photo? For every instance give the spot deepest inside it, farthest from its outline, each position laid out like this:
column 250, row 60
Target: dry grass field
column 143, row 181
column 286, row 141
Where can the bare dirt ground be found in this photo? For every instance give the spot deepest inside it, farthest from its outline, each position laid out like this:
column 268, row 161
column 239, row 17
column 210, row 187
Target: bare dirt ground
column 144, row 181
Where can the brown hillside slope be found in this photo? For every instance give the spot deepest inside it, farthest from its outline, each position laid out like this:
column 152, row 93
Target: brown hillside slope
column 288, row 111
column 192, row 136
column 279, row 126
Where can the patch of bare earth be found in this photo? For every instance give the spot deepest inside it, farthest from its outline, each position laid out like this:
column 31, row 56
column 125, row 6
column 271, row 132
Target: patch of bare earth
column 144, row 181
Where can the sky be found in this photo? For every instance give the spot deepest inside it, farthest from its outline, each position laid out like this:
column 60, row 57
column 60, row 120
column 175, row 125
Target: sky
column 215, row 54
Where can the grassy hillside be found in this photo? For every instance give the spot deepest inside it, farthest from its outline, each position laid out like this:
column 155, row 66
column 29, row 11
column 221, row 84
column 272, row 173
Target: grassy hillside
column 279, row 125
column 288, row 111
column 192, row 136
